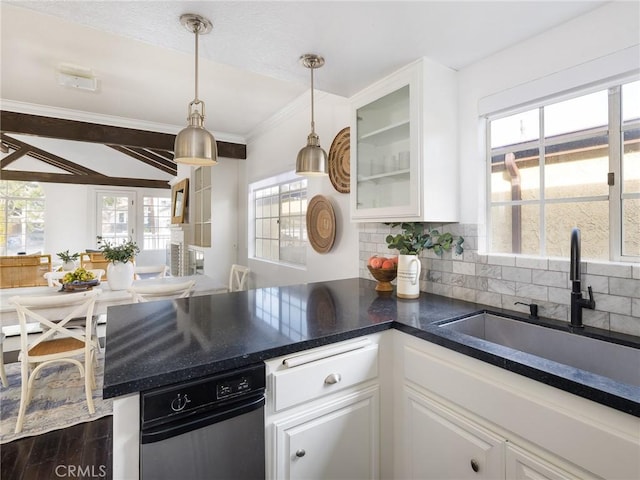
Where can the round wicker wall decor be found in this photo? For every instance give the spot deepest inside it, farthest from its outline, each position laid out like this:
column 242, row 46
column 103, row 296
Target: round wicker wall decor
column 321, row 224
column 339, row 161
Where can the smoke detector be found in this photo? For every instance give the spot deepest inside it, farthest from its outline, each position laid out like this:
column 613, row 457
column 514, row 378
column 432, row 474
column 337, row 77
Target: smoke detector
column 76, row 76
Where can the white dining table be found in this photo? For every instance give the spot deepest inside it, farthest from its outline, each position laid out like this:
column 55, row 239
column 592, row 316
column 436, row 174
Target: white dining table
column 9, row 319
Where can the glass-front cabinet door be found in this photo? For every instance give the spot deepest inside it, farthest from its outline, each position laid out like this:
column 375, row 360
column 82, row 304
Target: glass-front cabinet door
column 384, row 151
column 403, row 148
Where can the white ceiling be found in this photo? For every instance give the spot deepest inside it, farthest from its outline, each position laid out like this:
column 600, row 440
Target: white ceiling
column 249, row 65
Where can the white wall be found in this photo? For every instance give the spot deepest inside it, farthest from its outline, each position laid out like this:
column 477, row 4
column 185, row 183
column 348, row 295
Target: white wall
column 272, row 151
column 590, row 48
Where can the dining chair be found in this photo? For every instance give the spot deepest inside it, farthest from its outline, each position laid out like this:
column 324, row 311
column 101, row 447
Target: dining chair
column 56, row 343
column 150, row 271
column 238, row 277
column 145, row 293
column 53, row 278
column 3, row 373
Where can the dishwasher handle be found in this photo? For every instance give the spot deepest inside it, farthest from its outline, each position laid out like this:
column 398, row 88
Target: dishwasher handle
column 182, row 425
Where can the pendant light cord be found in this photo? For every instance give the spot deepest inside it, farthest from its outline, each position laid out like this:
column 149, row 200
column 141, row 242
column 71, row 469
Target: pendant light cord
column 313, row 123
column 197, row 31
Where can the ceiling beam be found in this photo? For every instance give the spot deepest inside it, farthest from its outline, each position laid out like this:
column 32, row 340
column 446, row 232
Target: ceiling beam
column 148, row 158
column 82, row 179
column 44, row 156
column 23, row 123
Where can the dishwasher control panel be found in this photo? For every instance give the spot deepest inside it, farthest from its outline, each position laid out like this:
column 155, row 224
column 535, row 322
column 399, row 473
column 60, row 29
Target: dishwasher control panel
column 165, row 403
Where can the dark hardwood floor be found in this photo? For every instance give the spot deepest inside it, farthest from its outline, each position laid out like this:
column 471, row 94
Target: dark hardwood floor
column 81, row 451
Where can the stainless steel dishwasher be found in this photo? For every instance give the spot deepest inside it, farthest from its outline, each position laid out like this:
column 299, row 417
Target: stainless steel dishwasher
column 211, row 428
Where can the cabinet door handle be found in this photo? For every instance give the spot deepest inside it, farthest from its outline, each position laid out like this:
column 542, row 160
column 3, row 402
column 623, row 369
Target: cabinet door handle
column 333, row 378
column 475, row 465
column 300, row 453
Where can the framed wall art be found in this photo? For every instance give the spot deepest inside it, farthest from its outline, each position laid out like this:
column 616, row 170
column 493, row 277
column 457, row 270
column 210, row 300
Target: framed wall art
column 179, row 201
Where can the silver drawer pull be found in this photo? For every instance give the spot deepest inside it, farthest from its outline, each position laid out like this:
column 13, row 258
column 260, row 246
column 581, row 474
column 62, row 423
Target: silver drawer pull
column 333, row 378
column 300, row 453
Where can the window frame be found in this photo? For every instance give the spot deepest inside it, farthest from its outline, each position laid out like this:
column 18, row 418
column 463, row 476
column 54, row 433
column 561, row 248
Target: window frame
column 615, row 131
column 24, row 247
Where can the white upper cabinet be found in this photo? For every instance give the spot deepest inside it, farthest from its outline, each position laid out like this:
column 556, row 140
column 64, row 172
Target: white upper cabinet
column 404, row 163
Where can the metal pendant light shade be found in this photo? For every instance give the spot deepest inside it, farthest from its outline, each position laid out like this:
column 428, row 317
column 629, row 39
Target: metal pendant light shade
column 194, row 145
column 312, row 159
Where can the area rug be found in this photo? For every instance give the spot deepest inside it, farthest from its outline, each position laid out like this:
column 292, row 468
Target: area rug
column 58, row 401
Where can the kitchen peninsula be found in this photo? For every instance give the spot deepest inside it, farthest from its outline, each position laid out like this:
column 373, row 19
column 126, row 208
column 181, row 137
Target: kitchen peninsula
column 162, row 343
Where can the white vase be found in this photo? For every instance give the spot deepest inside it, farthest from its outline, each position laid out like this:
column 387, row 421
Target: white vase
column 120, row 275
column 69, row 266
column 409, row 268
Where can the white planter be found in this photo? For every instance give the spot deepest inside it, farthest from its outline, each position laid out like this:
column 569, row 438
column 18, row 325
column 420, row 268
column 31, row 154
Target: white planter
column 120, row 275
column 409, row 268
column 69, row 266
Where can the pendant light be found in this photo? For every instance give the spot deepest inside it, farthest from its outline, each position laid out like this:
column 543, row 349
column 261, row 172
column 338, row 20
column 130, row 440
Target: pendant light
column 312, row 159
column 195, row 145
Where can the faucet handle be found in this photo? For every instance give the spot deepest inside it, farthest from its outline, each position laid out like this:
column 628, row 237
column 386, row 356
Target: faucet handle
column 592, row 302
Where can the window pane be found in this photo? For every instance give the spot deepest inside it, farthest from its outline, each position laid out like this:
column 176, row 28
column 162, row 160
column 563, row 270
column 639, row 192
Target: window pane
column 631, row 101
column 631, row 162
column 592, row 218
column 515, row 229
column 577, row 114
column 631, row 227
column 515, row 176
column 514, row 129
column 577, row 168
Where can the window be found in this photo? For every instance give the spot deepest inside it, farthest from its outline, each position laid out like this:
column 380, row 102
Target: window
column 21, row 217
column 157, row 222
column 280, row 232
column 116, row 217
column 572, row 163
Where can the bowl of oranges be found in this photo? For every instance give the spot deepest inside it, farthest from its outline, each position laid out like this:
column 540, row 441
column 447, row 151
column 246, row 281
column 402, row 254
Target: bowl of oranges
column 384, row 270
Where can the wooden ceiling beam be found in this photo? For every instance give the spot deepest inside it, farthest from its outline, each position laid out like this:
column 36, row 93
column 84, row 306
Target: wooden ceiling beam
column 22, row 123
column 46, row 157
column 148, row 158
column 83, row 179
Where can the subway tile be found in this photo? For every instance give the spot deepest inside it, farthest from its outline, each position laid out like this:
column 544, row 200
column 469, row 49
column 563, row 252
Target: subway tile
column 559, row 265
column 535, row 292
column 609, row 269
column 506, row 260
column 464, row 268
column 489, row 298
column 501, row 286
column 491, row 271
column 613, row 304
column 550, row 279
column 635, row 271
column 440, row 289
column 442, row 265
column 635, row 307
column 462, row 293
column 625, row 324
column 516, row 274
column 596, row 319
column 559, row 295
column 532, row 262
column 598, row 283
column 454, row 279
column 554, row 310
column 625, row 287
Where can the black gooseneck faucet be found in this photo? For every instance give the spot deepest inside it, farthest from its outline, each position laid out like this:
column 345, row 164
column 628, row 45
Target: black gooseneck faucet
column 577, row 302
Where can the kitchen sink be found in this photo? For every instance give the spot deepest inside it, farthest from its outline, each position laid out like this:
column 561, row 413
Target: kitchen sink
column 617, row 362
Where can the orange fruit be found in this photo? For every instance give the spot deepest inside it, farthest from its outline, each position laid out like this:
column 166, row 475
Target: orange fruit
column 376, row 262
column 388, row 264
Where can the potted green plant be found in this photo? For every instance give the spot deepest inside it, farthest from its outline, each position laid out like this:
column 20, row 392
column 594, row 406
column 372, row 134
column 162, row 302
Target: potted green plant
column 413, row 239
column 416, row 237
column 120, row 271
column 68, row 259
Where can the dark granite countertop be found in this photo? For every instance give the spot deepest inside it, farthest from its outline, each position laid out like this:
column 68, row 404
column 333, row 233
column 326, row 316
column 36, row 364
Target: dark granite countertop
column 159, row 343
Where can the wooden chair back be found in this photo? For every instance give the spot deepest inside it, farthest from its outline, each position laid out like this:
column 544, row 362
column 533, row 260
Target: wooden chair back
column 94, row 261
column 24, row 270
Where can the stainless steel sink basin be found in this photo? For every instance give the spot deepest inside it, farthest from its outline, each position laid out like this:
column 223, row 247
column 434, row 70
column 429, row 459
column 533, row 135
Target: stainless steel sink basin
column 617, row 362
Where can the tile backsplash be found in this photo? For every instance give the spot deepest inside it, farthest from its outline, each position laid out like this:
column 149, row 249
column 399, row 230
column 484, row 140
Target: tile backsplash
column 502, row 280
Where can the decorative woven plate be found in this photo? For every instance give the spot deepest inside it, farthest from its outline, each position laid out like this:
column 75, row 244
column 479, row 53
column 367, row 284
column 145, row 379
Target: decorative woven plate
column 321, row 224
column 339, row 161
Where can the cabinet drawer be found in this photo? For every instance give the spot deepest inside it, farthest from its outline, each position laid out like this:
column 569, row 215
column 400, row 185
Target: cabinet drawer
column 315, row 379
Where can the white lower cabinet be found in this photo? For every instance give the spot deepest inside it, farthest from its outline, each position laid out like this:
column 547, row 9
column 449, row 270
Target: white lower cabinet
column 336, row 441
column 323, row 413
column 522, row 465
column 443, row 445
